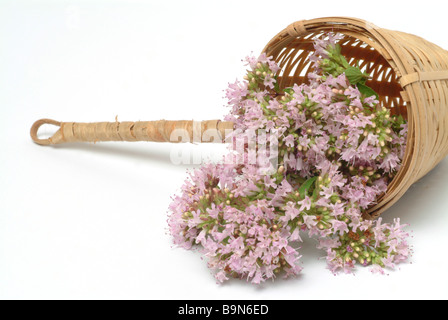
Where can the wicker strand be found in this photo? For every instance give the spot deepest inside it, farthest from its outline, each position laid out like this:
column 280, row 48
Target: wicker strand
column 296, row 29
column 423, row 76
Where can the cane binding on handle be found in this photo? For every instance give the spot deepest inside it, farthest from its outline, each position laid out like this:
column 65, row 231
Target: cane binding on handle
column 213, row 131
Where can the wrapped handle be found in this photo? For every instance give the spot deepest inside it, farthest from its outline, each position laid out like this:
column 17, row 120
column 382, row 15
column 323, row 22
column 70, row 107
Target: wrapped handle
column 214, row 131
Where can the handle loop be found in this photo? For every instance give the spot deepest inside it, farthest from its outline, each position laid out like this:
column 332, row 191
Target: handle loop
column 35, row 128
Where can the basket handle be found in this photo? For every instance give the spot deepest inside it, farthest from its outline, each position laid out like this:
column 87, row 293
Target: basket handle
column 214, row 131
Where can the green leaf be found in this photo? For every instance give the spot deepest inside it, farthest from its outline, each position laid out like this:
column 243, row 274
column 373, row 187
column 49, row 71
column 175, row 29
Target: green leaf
column 354, row 75
column 367, row 91
column 338, row 49
column 315, row 194
column 203, row 224
column 400, row 120
column 304, row 188
column 289, row 90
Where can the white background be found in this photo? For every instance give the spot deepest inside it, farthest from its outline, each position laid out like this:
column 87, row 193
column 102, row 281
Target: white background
column 89, row 221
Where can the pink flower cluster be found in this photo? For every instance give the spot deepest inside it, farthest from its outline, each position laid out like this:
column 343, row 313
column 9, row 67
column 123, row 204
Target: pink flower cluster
column 338, row 150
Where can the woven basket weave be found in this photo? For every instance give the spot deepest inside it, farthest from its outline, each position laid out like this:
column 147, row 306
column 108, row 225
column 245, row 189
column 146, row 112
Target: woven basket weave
column 409, row 73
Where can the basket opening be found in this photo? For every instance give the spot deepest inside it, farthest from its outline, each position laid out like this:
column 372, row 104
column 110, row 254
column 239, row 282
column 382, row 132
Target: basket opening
column 295, row 66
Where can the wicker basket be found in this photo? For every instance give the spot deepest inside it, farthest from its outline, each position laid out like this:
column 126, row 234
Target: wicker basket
column 409, row 73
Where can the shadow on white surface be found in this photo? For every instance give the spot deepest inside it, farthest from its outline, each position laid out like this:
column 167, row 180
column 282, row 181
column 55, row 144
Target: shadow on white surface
column 429, row 191
column 150, row 153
